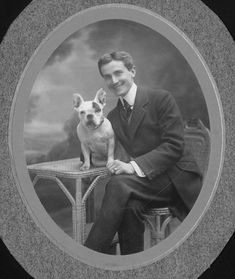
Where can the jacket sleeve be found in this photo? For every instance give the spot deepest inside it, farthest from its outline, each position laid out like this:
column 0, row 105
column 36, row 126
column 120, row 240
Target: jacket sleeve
column 171, row 147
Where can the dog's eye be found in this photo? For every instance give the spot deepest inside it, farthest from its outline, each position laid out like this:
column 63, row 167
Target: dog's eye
column 82, row 112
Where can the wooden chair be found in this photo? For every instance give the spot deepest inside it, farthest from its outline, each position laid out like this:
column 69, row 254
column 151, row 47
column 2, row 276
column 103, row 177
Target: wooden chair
column 197, row 139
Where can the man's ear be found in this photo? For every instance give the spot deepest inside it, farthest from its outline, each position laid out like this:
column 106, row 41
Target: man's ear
column 133, row 71
column 100, row 97
column 77, row 101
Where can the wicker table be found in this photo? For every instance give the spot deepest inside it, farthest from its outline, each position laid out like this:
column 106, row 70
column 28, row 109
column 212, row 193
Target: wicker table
column 69, row 168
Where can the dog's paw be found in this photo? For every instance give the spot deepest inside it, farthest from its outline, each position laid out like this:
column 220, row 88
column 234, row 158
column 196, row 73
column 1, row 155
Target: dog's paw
column 85, row 167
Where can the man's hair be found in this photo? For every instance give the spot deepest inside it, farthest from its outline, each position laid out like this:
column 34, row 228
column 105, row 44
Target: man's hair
column 123, row 56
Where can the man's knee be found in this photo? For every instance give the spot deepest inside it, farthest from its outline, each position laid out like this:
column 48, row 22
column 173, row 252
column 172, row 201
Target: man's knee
column 117, row 182
column 118, row 179
column 118, row 188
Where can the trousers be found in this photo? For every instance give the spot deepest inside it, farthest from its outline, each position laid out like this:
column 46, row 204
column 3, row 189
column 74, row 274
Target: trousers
column 125, row 198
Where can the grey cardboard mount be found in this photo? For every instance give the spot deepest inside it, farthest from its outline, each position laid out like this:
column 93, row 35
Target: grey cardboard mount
column 42, row 249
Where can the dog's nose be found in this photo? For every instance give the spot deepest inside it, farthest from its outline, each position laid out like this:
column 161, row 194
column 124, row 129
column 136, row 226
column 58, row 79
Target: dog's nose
column 89, row 116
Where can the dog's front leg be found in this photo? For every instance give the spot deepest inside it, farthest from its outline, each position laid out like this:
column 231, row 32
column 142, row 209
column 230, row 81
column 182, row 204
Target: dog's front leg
column 111, row 145
column 86, row 153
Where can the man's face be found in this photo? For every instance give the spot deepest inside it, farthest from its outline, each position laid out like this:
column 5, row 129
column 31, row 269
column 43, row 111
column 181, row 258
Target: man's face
column 117, row 77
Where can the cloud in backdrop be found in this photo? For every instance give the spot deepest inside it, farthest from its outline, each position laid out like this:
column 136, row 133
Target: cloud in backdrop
column 72, row 67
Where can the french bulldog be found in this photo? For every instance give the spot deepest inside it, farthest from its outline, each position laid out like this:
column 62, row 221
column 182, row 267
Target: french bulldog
column 94, row 131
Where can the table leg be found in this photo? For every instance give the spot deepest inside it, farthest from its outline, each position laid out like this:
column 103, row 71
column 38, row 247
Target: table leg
column 77, row 214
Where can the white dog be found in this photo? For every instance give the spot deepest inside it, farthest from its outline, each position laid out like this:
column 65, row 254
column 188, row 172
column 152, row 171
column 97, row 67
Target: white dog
column 94, row 131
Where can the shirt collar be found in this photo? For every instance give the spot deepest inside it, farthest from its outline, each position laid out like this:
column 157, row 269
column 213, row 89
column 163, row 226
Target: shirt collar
column 131, row 94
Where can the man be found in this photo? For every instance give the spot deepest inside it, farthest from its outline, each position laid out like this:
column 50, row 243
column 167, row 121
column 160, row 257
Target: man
column 160, row 171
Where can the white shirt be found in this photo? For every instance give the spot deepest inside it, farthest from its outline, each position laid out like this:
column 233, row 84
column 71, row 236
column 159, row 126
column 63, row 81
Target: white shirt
column 130, row 98
column 131, row 94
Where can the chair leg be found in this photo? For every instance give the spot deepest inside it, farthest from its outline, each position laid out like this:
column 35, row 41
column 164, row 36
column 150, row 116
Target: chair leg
column 159, row 226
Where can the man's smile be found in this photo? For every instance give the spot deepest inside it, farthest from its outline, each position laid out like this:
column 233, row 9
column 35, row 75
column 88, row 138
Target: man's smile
column 116, row 86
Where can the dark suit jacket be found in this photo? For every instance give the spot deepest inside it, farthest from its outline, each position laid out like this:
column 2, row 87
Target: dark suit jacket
column 155, row 139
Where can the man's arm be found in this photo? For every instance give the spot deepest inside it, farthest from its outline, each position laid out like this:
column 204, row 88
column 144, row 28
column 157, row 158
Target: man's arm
column 164, row 145
column 171, row 146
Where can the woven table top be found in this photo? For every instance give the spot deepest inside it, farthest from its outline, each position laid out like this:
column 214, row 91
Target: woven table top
column 66, row 168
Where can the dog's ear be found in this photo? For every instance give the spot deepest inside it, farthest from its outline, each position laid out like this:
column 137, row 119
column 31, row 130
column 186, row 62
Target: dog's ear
column 77, row 100
column 100, row 97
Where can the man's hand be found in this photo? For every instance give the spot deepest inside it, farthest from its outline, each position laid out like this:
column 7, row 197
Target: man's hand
column 119, row 167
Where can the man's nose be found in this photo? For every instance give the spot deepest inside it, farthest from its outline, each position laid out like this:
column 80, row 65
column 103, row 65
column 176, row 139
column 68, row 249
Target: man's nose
column 114, row 79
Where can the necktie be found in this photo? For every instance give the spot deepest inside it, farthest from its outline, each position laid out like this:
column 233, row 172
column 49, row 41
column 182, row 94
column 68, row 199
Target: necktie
column 127, row 109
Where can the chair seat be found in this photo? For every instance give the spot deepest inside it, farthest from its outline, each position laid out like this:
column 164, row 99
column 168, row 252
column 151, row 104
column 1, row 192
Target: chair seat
column 157, row 211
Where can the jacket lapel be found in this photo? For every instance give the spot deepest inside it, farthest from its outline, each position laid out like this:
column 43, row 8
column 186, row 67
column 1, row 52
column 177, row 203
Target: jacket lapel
column 117, row 126
column 139, row 111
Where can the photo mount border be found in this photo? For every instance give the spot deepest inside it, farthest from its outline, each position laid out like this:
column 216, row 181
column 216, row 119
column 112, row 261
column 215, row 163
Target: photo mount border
column 159, row 259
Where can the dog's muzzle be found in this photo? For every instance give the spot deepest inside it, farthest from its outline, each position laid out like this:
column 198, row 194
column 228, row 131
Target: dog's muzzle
column 90, row 117
column 91, row 124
